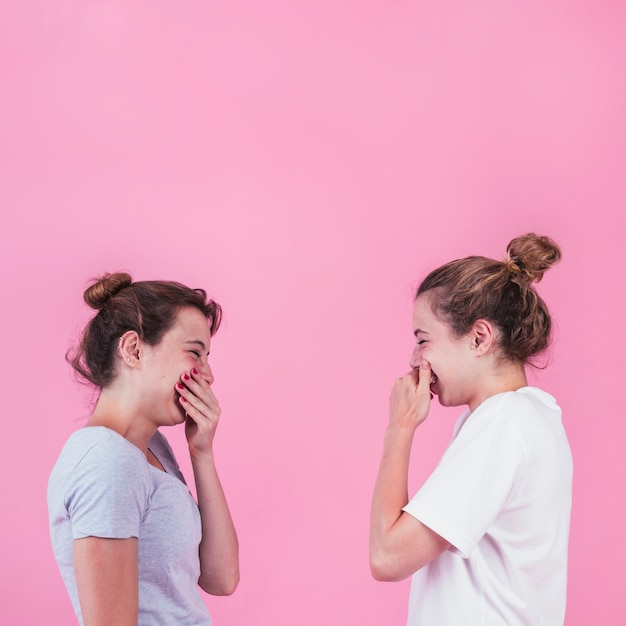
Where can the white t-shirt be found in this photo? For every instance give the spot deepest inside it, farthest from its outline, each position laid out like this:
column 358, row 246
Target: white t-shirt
column 501, row 495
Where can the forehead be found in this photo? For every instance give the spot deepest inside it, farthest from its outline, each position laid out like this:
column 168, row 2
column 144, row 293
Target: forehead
column 422, row 308
column 191, row 325
column 424, row 318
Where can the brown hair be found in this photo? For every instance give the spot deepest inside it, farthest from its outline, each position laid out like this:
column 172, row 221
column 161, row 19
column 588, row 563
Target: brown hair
column 147, row 307
column 466, row 290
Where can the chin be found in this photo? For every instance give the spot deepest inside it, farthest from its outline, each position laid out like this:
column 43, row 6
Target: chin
column 178, row 415
column 444, row 401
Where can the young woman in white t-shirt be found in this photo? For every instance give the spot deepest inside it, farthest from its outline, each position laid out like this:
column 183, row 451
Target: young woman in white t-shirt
column 485, row 538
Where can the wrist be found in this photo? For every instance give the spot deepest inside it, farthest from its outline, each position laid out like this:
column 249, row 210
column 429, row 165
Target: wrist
column 201, row 457
column 400, row 429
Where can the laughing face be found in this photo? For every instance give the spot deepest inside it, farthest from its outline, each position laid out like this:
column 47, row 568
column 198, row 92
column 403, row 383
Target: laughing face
column 451, row 358
column 183, row 347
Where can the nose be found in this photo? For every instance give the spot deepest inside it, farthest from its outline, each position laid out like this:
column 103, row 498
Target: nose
column 207, row 373
column 415, row 358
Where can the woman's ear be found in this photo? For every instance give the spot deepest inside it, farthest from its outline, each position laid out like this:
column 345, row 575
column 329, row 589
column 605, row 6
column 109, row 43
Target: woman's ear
column 130, row 348
column 482, row 336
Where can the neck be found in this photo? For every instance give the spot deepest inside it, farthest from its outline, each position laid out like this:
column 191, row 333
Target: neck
column 509, row 377
column 117, row 412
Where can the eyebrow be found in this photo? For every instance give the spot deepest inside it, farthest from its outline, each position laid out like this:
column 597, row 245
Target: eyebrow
column 417, row 331
column 197, row 342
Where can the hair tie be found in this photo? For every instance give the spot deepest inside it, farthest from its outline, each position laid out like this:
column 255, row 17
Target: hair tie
column 515, row 266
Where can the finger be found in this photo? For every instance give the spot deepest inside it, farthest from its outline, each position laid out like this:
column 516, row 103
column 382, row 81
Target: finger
column 425, row 376
column 403, row 386
column 202, row 406
column 201, row 378
column 198, row 390
column 197, row 411
column 198, row 382
column 414, row 376
column 205, row 420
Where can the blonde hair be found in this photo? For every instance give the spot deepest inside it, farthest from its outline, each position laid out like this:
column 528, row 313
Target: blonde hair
column 473, row 288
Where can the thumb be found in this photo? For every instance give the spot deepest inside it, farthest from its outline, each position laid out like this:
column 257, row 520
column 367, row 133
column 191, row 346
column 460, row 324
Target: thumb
column 424, row 376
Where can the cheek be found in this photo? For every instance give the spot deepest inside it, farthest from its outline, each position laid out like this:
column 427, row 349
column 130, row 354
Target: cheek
column 424, row 352
column 166, row 384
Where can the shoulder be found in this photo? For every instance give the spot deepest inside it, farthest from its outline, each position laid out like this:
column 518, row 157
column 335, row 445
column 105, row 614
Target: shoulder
column 530, row 419
column 526, row 405
column 494, row 428
column 531, row 398
column 100, row 444
column 93, row 454
column 100, row 477
column 527, row 409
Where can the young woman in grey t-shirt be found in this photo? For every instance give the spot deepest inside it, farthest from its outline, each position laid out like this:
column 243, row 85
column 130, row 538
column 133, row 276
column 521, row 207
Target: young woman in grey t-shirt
column 131, row 543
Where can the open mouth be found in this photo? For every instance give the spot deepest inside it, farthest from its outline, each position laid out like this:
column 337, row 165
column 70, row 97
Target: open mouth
column 433, row 376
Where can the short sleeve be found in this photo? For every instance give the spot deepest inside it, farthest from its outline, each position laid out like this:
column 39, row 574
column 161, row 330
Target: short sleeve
column 108, row 491
column 472, row 482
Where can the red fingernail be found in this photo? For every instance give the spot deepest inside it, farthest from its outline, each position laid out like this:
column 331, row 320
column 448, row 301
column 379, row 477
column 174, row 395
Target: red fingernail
column 185, row 377
column 180, row 385
column 182, row 399
column 194, row 371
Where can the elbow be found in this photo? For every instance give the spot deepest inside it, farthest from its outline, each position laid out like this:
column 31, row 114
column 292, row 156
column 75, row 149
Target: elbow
column 384, row 574
column 232, row 585
column 378, row 562
column 224, row 586
column 228, row 586
column 378, row 572
column 384, row 568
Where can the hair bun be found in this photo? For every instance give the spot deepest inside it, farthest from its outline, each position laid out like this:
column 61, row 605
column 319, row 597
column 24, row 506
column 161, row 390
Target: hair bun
column 531, row 255
column 104, row 288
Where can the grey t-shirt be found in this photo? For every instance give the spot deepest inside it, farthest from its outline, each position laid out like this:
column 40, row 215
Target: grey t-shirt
column 103, row 486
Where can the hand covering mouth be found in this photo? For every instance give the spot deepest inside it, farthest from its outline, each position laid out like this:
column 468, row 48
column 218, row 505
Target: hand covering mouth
column 433, row 376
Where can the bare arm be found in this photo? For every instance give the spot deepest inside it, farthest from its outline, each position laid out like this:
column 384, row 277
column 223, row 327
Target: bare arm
column 107, row 580
column 219, row 548
column 400, row 544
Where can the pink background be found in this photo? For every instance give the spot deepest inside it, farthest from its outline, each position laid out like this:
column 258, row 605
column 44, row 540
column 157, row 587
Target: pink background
column 307, row 163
